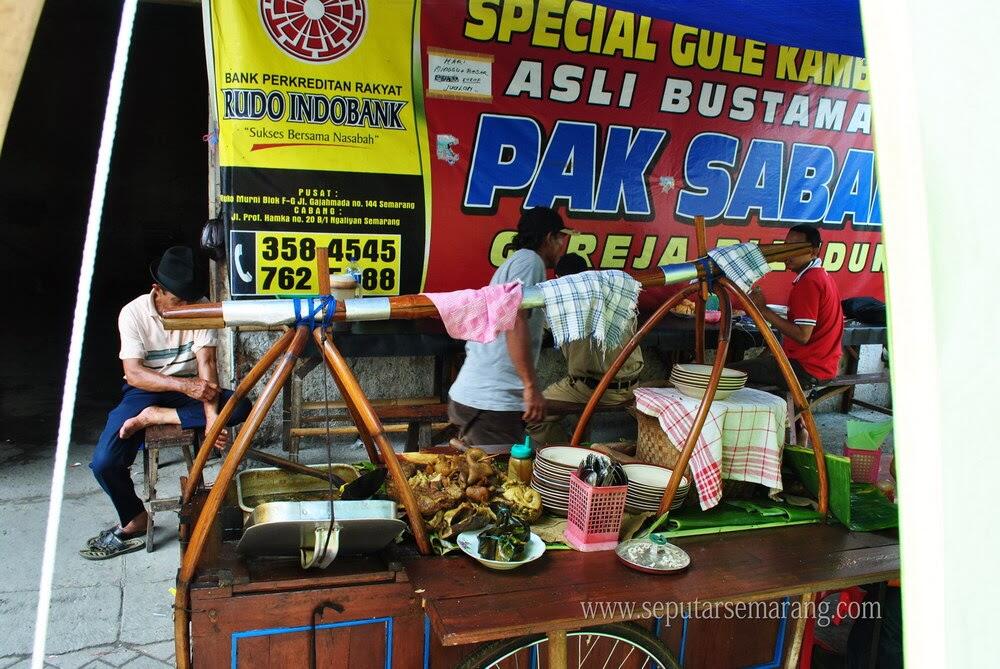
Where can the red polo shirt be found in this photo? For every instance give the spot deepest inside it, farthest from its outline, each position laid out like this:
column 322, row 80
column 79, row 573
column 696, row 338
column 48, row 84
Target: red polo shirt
column 814, row 300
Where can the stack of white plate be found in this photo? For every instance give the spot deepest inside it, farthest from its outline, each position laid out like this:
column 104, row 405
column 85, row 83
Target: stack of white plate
column 692, row 380
column 550, row 475
column 646, row 484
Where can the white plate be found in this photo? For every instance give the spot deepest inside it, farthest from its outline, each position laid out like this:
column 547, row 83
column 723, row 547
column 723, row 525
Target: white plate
column 698, row 393
column 651, row 476
column 550, row 472
column 779, row 309
column 469, row 543
column 567, row 456
column 694, row 369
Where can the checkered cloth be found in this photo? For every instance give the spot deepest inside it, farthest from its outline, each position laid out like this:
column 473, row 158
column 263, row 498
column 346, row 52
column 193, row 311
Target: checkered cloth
column 743, row 264
column 596, row 305
column 742, row 438
column 479, row 315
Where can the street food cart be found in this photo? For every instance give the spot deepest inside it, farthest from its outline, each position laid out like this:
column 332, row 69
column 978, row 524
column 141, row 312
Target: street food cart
column 403, row 606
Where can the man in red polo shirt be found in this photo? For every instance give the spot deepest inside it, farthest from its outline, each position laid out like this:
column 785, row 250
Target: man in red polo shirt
column 812, row 332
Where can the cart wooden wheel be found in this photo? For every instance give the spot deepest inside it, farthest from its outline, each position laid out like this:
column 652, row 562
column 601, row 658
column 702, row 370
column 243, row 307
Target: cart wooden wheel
column 624, row 645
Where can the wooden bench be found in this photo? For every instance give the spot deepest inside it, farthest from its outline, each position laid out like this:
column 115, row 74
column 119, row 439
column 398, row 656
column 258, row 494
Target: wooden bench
column 407, row 415
column 397, row 415
column 161, row 437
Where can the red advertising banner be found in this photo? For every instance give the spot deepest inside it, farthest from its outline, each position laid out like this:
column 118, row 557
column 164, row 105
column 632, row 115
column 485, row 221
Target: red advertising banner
column 631, row 127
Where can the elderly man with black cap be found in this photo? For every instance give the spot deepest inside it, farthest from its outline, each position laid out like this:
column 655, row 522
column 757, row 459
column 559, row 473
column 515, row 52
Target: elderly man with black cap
column 497, row 391
column 170, row 379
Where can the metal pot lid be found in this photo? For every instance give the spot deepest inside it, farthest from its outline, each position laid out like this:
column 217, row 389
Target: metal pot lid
column 653, row 555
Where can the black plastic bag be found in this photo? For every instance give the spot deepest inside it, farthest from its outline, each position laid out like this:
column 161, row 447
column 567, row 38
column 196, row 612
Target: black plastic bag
column 213, row 239
column 864, row 309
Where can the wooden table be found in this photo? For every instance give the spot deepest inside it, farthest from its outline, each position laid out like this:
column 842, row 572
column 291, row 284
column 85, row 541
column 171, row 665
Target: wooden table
column 467, row 603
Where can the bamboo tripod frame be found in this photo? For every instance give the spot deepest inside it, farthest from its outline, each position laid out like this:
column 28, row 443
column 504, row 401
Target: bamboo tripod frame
column 282, row 356
column 725, row 329
column 284, row 353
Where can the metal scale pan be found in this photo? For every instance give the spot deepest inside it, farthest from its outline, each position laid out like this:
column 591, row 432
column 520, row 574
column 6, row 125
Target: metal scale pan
column 290, row 529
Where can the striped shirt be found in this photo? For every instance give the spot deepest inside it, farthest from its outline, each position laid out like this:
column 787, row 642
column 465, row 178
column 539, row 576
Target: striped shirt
column 168, row 352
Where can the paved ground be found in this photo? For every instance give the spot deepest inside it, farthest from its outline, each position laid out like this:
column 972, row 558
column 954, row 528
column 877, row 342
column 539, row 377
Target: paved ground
column 118, row 612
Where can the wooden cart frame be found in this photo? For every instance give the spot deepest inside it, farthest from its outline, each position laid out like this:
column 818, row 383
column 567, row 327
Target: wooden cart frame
column 284, row 353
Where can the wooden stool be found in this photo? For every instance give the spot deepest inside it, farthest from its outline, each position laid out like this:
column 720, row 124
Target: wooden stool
column 159, row 437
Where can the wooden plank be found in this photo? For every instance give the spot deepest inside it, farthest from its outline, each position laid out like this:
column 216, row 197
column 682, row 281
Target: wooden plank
column 366, row 647
column 254, row 652
column 743, row 643
column 468, row 604
column 457, row 576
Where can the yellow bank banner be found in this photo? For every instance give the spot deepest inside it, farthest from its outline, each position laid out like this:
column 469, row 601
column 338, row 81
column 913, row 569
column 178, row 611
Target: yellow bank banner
column 320, row 141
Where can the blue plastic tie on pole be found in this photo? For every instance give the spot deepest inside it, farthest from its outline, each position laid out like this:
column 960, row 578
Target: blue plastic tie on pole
column 330, row 304
column 314, row 306
column 706, row 266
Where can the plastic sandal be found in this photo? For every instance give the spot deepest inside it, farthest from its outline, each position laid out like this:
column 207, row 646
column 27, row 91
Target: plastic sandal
column 112, row 546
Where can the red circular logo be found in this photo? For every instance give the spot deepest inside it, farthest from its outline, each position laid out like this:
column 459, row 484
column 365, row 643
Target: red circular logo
column 316, row 31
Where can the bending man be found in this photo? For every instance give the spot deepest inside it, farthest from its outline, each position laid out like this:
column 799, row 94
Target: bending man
column 497, row 391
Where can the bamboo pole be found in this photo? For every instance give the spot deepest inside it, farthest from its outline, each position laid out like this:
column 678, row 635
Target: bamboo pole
column 413, row 307
column 798, row 396
column 609, row 375
column 353, row 394
column 706, row 404
column 294, row 467
column 699, row 301
column 244, row 387
column 323, row 269
column 206, row 518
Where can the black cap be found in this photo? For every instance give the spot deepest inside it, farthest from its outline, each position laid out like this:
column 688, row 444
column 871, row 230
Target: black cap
column 175, row 272
column 540, row 221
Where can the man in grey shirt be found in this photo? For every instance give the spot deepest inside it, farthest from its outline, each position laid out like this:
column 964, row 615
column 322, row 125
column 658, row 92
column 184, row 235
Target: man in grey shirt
column 496, row 391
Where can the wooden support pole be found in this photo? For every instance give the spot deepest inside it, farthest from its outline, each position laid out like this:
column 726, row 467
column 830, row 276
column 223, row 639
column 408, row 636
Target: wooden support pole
column 706, row 404
column 323, row 269
column 241, row 391
column 558, row 655
column 207, row 518
column 369, row 420
column 699, row 302
column 798, row 633
column 609, row 375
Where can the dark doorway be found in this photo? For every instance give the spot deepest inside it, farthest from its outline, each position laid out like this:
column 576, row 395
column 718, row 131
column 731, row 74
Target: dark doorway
column 156, row 197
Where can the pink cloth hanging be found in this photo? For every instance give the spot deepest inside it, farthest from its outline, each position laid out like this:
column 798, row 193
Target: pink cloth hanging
column 479, row 315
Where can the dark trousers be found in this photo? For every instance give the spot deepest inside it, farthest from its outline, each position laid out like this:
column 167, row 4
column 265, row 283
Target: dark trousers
column 764, row 371
column 479, row 427
column 114, row 455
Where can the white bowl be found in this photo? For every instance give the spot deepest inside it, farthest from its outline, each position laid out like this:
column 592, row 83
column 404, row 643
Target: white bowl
column 469, row 543
column 699, row 393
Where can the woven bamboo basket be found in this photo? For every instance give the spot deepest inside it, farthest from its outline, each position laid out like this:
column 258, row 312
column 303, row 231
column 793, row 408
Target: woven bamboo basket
column 652, row 445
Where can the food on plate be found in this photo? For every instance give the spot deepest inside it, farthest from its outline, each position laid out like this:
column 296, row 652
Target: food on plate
column 524, row 501
column 685, row 308
column 453, row 492
column 506, row 538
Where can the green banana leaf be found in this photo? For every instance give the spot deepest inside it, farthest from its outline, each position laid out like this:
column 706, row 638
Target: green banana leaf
column 860, row 507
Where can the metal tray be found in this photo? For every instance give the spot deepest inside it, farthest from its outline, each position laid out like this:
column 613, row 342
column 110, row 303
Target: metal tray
column 271, row 484
column 285, row 529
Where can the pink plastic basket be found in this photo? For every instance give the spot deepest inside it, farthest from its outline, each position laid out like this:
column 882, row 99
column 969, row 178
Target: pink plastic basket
column 864, row 464
column 595, row 515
